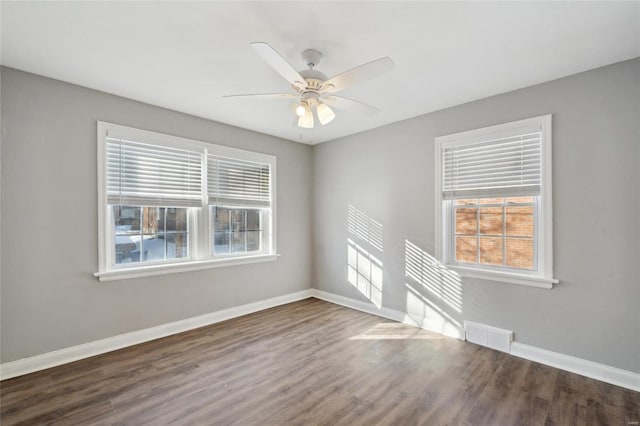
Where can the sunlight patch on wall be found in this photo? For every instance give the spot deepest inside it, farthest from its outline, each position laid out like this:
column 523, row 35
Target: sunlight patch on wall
column 364, row 272
column 424, row 313
column 362, row 226
column 433, row 276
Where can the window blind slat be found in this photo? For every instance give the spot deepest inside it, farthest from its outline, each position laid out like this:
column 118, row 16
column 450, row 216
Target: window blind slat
column 485, row 171
column 479, row 157
column 143, row 174
column 507, row 191
column 527, row 162
column 504, row 142
column 168, row 181
column 504, row 167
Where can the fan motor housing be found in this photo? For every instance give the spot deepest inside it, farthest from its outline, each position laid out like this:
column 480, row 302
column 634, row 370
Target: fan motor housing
column 313, row 79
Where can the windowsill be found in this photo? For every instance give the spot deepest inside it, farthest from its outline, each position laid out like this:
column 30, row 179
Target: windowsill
column 506, row 277
column 147, row 271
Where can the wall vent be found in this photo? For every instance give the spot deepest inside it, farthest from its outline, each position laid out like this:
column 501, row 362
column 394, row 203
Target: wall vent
column 486, row 335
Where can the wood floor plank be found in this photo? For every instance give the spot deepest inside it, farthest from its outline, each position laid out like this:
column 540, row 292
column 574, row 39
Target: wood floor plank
column 540, row 381
column 631, row 404
column 311, row 363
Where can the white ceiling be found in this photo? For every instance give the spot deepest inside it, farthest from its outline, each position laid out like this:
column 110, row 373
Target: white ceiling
column 185, row 55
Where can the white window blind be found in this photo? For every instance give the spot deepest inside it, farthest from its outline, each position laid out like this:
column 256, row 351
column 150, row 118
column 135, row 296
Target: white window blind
column 143, row 174
column 503, row 167
column 238, row 183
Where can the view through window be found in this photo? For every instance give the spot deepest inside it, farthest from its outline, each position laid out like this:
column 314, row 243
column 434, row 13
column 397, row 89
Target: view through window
column 145, row 234
column 495, row 231
column 236, row 230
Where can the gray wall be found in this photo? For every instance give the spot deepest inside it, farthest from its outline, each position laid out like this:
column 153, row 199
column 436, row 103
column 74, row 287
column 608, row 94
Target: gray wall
column 49, row 220
column 50, row 299
column 388, row 174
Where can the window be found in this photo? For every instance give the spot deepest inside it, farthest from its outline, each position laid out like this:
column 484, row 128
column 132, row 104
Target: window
column 240, row 200
column 170, row 204
column 493, row 206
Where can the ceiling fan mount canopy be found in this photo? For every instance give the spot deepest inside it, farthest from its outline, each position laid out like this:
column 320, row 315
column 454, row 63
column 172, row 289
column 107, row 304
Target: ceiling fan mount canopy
column 314, row 91
column 311, row 57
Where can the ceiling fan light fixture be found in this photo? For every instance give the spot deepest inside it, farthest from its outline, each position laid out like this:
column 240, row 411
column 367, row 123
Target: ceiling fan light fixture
column 325, row 114
column 301, row 109
column 306, row 121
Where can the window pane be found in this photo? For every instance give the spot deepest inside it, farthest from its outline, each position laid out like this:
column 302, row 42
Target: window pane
column 491, row 200
column 491, row 221
column 237, row 220
column 466, row 249
column 253, row 240
column 220, row 219
column 176, row 219
column 491, row 251
column 466, row 221
column 520, row 253
column 127, row 249
column 221, row 242
column 237, row 242
column 468, row 202
column 520, row 221
column 253, row 220
column 127, row 219
column 520, row 200
column 162, row 214
column 127, row 226
column 153, row 247
column 150, row 218
column 177, row 245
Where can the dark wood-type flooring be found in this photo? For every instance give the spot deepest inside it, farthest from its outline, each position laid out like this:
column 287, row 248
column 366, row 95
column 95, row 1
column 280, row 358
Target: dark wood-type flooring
column 310, row 363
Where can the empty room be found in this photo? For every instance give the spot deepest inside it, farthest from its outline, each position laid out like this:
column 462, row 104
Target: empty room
column 319, row 213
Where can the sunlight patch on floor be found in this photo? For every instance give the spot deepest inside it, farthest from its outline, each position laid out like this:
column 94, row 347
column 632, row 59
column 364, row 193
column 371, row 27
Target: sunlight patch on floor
column 395, row 331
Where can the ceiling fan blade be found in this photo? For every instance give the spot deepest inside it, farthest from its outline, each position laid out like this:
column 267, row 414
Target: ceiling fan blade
column 265, row 96
column 350, row 105
column 357, row 75
column 279, row 64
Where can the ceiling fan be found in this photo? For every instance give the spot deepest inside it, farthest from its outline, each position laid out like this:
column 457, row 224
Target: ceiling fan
column 313, row 90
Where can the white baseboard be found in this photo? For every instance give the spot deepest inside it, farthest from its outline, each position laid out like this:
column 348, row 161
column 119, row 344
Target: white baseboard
column 594, row 370
column 583, row 367
column 86, row 350
column 392, row 314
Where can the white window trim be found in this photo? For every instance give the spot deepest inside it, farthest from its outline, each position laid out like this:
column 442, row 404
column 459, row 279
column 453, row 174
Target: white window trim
column 200, row 227
column 543, row 277
column 170, row 268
